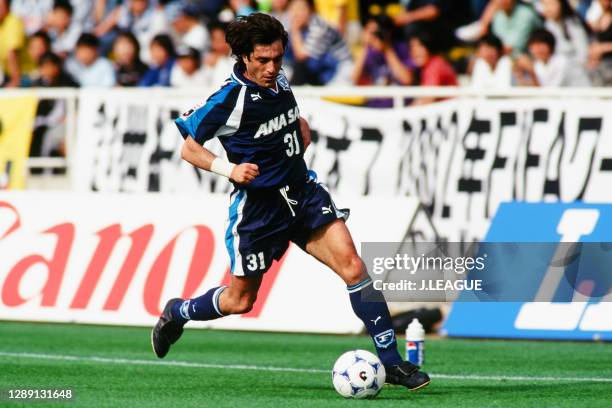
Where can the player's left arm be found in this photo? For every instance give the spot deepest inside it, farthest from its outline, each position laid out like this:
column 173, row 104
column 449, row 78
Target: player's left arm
column 305, row 130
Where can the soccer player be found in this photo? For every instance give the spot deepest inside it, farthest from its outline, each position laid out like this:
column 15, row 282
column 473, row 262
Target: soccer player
column 276, row 198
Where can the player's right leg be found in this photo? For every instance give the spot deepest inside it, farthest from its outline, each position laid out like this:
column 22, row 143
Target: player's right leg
column 333, row 245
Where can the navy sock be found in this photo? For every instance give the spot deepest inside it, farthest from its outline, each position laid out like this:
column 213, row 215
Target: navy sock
column 370, row 306
column 205, row 307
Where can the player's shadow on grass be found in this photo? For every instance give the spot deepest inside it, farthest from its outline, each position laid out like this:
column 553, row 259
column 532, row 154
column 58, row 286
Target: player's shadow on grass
column 437, row 388
column 480, row 390
column 314, row 388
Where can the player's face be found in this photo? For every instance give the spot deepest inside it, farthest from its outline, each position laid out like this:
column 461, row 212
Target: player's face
column 264, row 64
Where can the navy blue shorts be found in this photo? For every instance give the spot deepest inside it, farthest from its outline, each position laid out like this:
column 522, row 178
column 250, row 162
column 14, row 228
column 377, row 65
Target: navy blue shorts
column 261, row 223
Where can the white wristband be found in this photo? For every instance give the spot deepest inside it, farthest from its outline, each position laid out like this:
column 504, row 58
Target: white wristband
column 222, row 167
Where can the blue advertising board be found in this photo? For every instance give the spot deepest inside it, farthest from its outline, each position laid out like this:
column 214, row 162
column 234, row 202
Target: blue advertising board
column 554, row 312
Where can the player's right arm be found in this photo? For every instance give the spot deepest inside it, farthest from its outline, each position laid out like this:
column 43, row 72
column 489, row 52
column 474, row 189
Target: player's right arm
column 204, row 159
column 220, row 115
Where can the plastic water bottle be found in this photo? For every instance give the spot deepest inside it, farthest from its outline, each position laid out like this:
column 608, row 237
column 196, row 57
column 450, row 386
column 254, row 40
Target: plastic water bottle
column 415, row 342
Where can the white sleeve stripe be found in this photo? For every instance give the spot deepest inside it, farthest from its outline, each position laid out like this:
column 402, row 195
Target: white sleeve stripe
column 224, row 130
column 236, row 115
column 234, row 119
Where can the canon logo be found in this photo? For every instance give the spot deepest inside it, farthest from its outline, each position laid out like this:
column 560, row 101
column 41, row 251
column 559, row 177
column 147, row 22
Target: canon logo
column 93, row 268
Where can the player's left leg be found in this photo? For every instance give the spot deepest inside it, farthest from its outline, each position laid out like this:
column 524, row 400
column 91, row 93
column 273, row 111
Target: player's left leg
column 251, row 249
column 236, row 298
column 333, row 245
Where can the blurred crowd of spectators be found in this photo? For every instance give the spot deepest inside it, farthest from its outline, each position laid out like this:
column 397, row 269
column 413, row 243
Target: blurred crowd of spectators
column 181, row 43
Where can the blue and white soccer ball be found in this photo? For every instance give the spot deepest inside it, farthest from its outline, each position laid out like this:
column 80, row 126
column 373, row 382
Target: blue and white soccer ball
column 358, row 374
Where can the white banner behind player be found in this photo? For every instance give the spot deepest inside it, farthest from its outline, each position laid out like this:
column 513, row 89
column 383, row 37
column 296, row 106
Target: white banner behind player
column 117, row 258
column 461, row 158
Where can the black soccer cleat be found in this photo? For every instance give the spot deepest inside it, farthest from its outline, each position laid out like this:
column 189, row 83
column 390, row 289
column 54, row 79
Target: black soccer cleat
column 408, row 375
column 167, row 330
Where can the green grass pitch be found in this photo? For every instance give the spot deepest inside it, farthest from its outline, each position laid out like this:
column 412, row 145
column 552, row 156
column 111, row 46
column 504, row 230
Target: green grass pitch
column 115, row 367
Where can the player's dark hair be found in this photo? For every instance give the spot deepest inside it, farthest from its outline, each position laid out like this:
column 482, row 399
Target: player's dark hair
column 541, row 35
column 42, row 34
column 164, row 41
column 492, row 41
column 63, row 5
column 244, row 33
column 88, row 40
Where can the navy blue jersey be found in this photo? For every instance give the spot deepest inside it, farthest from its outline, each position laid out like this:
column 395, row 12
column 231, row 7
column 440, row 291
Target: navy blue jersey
column 255, row 125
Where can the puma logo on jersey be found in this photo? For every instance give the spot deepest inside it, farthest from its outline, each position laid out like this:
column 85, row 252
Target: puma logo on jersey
column 255, row 96
column 326, row 210
column 277, row 123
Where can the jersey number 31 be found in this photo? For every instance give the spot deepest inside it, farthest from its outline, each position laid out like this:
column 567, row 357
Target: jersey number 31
column 292, row 141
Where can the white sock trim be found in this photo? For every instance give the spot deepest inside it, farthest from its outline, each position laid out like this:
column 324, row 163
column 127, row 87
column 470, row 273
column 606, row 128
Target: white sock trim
column 357, row 287
column 215, row 299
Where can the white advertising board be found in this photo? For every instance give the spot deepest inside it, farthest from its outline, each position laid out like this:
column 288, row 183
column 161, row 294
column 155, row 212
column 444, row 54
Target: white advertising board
column 117, row 258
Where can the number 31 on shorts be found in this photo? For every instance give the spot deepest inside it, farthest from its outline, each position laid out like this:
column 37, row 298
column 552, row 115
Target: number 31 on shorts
column 252, row 259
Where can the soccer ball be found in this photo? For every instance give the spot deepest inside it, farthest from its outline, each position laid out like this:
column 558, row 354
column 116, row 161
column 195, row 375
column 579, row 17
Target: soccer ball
column 358, row 374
